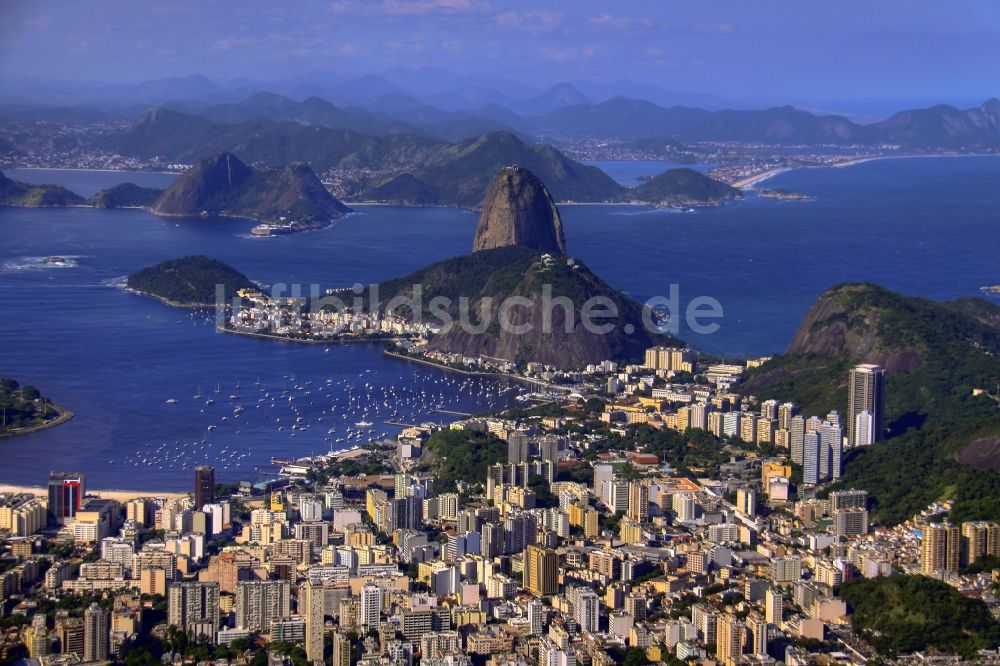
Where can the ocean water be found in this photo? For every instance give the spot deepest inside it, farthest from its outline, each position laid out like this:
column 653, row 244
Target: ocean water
column 634, row 172
column 89, row 183
column 928, row 227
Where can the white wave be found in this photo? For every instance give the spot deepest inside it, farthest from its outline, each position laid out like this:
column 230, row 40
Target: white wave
column 33, row 264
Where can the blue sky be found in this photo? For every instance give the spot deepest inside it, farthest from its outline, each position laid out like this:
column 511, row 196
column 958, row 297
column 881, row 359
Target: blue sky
column 776, row 50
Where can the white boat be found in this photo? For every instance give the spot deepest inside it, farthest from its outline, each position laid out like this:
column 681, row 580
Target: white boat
column 171, row 401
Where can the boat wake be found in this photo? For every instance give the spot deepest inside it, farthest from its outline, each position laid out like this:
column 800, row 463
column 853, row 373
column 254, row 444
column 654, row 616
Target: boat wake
column 653, row 210
column 34, row 264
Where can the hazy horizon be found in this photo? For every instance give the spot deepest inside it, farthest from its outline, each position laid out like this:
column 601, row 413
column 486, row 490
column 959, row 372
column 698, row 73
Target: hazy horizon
column 845, row 56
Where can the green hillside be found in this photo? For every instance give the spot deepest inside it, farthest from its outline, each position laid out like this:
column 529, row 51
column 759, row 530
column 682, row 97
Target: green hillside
column 126, row 195
column 22, row 406
column 935, row 354
column 462, row 455
column 459, row 174
column 684, row 187
column 15, row 193
column 224, row 185
column 906, row 614
column 488, row 277
column 189, row 281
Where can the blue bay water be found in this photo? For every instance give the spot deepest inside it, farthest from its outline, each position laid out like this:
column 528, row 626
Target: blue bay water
column 633, row 172
column 928, row 227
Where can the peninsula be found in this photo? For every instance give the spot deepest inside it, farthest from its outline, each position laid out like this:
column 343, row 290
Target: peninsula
column 519, row 252
column 25, row 410
column 16, row 193
column 284, row 201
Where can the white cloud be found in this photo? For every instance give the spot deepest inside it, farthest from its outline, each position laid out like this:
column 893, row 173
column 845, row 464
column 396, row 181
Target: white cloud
column 533, row 22
column 407, row 7
column 715, row 28
column 230, row 43
column 568, row 54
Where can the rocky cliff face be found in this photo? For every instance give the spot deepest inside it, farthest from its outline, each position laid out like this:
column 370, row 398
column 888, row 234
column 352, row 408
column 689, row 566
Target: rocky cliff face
column 518, row 210
column 223, row 185
column 204, row 186
column 851, row 322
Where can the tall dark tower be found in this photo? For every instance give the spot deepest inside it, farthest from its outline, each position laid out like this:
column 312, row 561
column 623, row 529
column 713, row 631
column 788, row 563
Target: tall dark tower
column 66, row 491
column 867, row 394
column 204, row 486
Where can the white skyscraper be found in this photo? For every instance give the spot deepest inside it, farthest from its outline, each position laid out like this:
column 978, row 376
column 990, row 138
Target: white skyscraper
column 864, row 429
column 586, row 609
column 311, row 509
column 796, row 433
column 371, row 606
column 831, row 450
column 811, row 458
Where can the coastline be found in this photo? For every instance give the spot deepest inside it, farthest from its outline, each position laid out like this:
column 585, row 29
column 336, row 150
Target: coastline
column 477, row 373
column 282, row 338
column 110, row 493
column 64, row 416
column 749, row 182
column 37, row 168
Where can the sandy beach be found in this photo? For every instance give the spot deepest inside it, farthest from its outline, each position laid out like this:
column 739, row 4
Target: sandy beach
column 119, row 495
column 748, row 183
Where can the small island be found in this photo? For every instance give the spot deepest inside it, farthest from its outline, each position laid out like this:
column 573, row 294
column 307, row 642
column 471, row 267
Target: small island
column 24, row 410
column 190, row 282
column 126, row 195
column 681, row 188
column 783, row 194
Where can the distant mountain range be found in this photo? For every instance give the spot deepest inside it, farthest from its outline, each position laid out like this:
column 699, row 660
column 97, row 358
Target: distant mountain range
column 436, row 102
column 938, row 127
column 430, row 171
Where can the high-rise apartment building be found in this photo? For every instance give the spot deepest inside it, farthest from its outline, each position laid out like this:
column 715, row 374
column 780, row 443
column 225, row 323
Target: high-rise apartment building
column 311, row 606
column 796, row 437
column 204, row 486
column 940, row 549
column 536, row 617
column 586, row 608
column 96, row 632
column 866, row 394
column 638, row 501
column 260, row 601
column 541, row 571
column 191, row 603
column 811, row 455
column 66, row 491
column 729, row 640
column 979, row 538
column 370, row 611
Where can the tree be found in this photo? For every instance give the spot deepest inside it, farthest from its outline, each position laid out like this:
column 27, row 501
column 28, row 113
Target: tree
column 635, row 657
